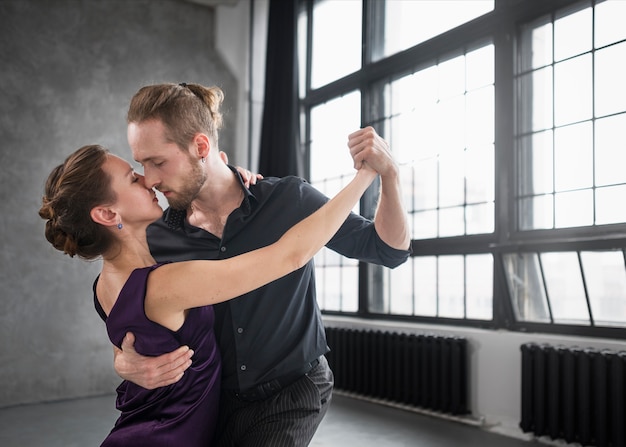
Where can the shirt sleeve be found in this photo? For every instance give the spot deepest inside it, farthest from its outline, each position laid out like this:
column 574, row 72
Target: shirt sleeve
column 357, row 237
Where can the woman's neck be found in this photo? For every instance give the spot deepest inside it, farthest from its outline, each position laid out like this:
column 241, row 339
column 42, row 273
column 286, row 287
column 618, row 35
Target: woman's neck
column 117, row 266
column 128, row 257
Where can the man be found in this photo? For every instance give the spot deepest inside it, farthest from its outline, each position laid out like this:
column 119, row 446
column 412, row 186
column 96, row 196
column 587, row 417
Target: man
column 276, row 383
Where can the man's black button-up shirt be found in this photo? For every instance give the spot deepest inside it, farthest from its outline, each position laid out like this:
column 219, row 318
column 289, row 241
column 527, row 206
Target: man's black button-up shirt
column 277, row 328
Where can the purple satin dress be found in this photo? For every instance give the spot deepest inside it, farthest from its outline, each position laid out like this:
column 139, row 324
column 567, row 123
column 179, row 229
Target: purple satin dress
column 182, row 414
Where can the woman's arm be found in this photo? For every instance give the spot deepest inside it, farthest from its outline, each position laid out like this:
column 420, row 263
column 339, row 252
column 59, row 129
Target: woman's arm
column 176, row 287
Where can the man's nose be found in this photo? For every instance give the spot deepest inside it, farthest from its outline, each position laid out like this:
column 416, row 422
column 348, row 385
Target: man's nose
column 150, row 179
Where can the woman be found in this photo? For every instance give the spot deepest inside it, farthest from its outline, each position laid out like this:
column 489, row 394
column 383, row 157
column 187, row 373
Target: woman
column 97, row 206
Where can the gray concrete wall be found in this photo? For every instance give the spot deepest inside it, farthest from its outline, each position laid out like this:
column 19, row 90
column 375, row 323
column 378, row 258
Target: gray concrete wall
column 67, row 71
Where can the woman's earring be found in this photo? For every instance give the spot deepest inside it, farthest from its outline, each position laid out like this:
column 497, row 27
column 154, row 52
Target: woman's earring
column 120, row 226
column 203, row 160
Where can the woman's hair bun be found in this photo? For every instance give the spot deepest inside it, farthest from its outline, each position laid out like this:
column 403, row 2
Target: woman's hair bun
column 72, row 190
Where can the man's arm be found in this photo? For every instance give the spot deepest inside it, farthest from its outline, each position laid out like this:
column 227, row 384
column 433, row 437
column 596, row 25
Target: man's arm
column 390, row 219
column 150, row 372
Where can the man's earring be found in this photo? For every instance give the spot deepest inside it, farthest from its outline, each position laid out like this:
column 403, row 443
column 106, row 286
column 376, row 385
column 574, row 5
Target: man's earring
column 120, row 226
column 203, row 160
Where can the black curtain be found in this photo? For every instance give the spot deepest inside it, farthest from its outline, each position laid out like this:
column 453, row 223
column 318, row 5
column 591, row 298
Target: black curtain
column 280, row 153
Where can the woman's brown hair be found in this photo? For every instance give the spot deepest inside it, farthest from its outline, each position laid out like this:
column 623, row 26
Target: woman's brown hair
column 72, row 190
column 185, row 109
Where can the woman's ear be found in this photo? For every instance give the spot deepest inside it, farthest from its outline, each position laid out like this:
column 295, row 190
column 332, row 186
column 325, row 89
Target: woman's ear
column 104, row 216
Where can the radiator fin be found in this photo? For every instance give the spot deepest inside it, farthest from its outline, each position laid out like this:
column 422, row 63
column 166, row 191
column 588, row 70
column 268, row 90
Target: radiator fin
column 424, row 371
column 573, row 394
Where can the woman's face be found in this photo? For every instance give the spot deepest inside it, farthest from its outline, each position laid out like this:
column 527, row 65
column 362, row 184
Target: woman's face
column 136, row 204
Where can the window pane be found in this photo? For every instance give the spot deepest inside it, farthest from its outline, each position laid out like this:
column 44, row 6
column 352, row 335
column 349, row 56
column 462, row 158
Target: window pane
column 452, row 77
column 536, row 49
column 479, row 174
column 451, row 222
column 573, row 209
column 337, row 281
column 609, row 205
column 425, row 277
column 327, row 288
column 525, row 283
column 451, row 180
column 572, row 34
column 403, row 137
column 479, row 286
column 424, row 103
column 610, row 76
column 536, row 213
column 302, row 46
column 605, row 278
column 535, row 100
column 565, row 288
column 479, row 218
column 410, row 22
column 480, row 68
column 573, row 90
column 609, row 25
column 350, row 287
column 426, row 185
column 403, row 95
column 331, row 123
column 336, row 46
column 406, row 185
column 573, row 149
column 610, row 150
column 450, row 125
column 450, row 281
column 478, row 105
column 401, row 289
column 331, row 186
column 536, row 164
column 425, row 225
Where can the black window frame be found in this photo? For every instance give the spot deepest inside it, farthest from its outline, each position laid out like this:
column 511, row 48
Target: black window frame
column 499, row 27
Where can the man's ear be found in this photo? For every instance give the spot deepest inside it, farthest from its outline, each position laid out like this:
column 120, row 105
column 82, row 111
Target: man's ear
column 104, row 216
column 202, row 144
column 224, row 157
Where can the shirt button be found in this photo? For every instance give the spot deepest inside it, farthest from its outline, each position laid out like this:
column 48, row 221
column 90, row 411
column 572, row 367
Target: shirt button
column 222, row 249
column 243, row 367
column 240, row 330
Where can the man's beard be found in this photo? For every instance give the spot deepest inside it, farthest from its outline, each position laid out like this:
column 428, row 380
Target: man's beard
column 182, row 199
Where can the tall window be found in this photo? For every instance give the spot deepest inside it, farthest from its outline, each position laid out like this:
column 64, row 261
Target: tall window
column 508, row 121
column 570, row 157
column 337, row 277
column 572, row 120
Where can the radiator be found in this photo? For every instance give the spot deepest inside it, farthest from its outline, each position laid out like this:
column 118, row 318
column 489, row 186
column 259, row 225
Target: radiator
column 573, row 394
column 423, row 371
